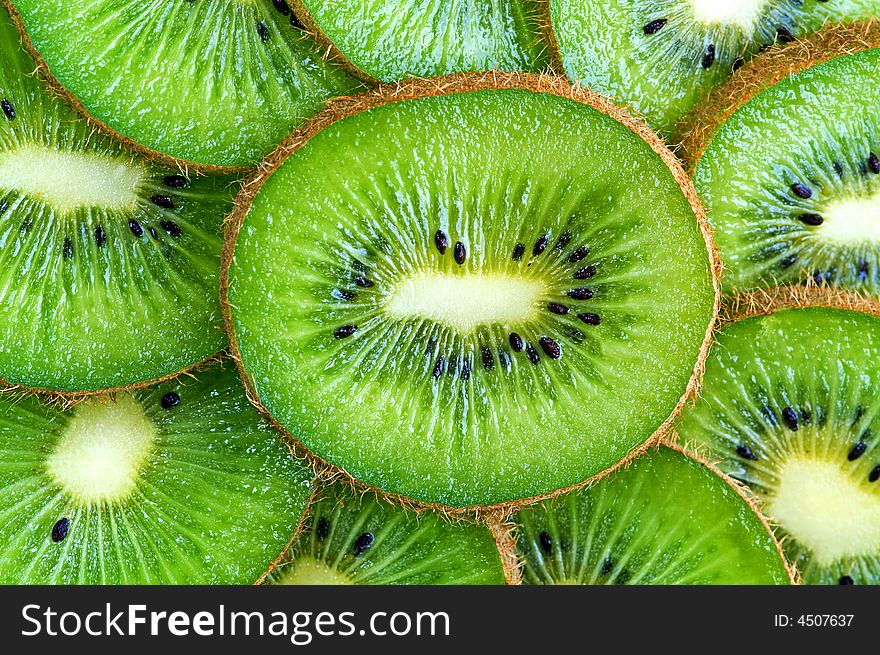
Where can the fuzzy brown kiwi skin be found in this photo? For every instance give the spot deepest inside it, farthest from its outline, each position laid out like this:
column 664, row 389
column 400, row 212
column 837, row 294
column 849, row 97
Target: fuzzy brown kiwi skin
column 341, row 108
column 696, row 129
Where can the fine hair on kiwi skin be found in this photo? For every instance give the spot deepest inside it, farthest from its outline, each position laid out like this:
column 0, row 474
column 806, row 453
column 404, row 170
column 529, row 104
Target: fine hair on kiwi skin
column 437, row 86
column 763, row 71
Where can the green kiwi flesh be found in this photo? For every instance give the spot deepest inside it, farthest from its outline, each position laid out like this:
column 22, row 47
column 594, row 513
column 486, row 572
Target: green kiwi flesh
column 485, row 296
column 792, row 181
column 179, row 483
column 213, row 82
column 662, row 57
column 361, row 540
column 791, row 407
column 109, row 263
column 392, row 40
column 665, row 520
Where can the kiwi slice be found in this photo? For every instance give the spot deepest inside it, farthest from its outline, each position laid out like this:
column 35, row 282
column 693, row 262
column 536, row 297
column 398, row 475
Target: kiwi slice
column 662, row 57
column 362, row 540
column 792, row 180
column 179, row 483
column 109, row 262
column 392, row 40
column 791, row 407
column 217, row 83
column 493, row 290
column 667, row 519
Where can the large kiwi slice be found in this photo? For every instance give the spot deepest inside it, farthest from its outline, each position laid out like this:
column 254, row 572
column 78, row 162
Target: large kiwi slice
column 178, row 483
column 109, row 262
column 391, row 40
column 362, row 540
column 792, row 180
column 663, row 56
column 791, row 406
column 217, row 83
column 492, row 290
column 666, row 519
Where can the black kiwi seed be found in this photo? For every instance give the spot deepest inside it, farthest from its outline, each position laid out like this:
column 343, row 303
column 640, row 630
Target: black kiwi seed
column 746, row 453
column 518, row 251
column 441, row 241
column 343, row 294
column 540, row 245
column 136, row 228
column 546, row 542
column 4, row 205
column 784, row 35
column 60, row 529
column 459, row 253
column 363, row 282
column 874, row 164
column 453, row 364
column 172, row 228
column 25, row 224
column 589, row 318
column 170, row 399
column 100, row 235
column 563, row 241
column 488, row 360
column 516, row 342
column 787, row 261
column 8, row 109
column 322, row 529
column 550, row 347
column 532, row 354
column 165, row 202
column 790, row 418
column 344, row 331
column 174, row 181
column 874, row 475
column 67, row 249
column 294, row 21
column 654, row 26
column 580, row 294
column 708, row 56
column 578, row 254
column 801, row 190
column 362, row 543
column 838, row 168
column 738, row 63
column 557, row 308
column 585, row 273
column 466, row 369
column 282, row 7
column 845, row 580
column 811, row 219
column 504, row 358
column 857, row 451
column 263, row 31
column 438, row 367
column 607, row 567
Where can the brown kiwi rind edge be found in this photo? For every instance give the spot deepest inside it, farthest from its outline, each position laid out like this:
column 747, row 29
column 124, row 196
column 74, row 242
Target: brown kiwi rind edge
column 437, row 86
column 696, row 130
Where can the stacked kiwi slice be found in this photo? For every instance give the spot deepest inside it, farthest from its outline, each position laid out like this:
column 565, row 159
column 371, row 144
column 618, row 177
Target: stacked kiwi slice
column 301, row 293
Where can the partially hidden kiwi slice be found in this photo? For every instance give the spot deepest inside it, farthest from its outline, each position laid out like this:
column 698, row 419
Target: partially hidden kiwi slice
column 216, row 83
column 180, row 483
column 393, row 40
column 662, row 57
column 666, row 519
column 791, row 407
column 791, row 180
column 360, row 539
column 109, row 262
column 494, row 288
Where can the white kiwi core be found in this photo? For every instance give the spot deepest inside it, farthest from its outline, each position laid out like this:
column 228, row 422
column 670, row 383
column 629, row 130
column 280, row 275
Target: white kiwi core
column 309, row 571
column 826, row 510
column 741, row 13
column 852, row 221
column 102, row 450
column 68, row 181
column 465, row 302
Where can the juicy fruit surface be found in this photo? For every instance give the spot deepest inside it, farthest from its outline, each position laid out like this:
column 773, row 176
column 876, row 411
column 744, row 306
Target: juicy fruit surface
column 176, row 484
column 361, row 540
column 665, row 520
column 485, row 296
column 109, row 265
column 217, row 82
column 790, row 406
column 792, row 180
column 393, row 40
column 663, row 57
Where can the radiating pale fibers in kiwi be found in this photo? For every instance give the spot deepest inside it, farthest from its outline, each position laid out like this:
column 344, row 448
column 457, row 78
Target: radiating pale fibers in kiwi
column 504, row 184
column 792, row 180
column 216, row 82
column 664, row 520
column 662, row 57
column 180, row 483
column 395, row 40
column 791, row 406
